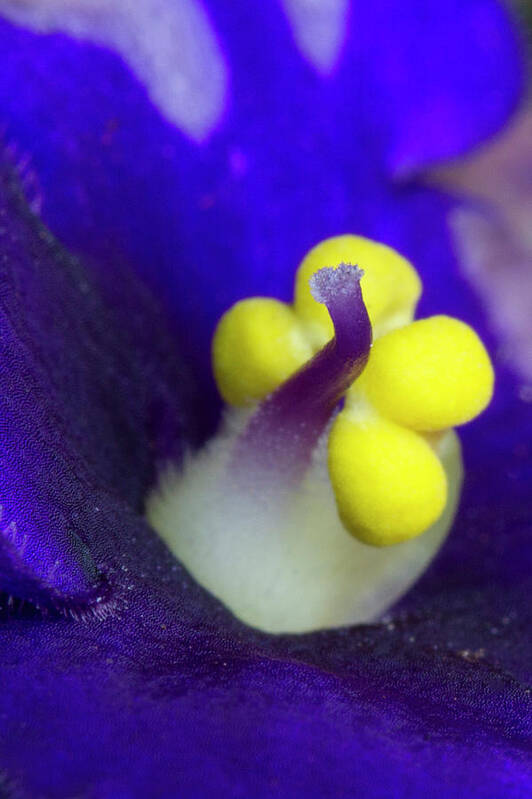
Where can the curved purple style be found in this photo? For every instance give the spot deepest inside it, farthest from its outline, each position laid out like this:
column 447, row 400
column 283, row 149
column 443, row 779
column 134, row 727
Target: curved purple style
column 164, row 694
column 284, row 430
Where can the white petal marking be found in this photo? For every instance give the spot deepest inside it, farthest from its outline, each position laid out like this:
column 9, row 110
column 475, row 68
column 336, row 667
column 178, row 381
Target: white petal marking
column 170, row 46
column 319, row 28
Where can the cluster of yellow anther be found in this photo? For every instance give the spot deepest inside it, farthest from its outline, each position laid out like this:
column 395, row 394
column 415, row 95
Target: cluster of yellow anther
column 421, row 379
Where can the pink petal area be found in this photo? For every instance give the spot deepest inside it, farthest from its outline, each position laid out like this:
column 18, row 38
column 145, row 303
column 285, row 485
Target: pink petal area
column 494, row 239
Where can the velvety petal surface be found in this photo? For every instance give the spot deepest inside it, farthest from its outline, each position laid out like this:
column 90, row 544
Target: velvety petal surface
column 165, row 694
column 90, row 401
column 296, row 156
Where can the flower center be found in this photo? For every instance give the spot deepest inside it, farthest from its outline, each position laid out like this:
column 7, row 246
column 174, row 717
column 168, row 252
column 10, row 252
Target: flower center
column 300, row 514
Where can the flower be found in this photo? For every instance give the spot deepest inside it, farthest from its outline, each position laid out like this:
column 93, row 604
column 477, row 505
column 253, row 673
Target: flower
column 160, row 691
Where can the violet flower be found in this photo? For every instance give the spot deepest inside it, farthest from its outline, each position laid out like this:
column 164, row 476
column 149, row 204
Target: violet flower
column 120, row 676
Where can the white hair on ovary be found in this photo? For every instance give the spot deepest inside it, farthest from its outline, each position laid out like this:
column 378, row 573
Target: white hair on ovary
column 282, row 561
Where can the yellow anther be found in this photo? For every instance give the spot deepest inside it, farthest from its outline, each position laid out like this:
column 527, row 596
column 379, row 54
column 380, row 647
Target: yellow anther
column 429, row 375
column 391, row 286
column 257, row 345
column 389, row 484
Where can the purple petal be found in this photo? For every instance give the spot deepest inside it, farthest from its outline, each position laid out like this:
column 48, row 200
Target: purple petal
column 85, row 402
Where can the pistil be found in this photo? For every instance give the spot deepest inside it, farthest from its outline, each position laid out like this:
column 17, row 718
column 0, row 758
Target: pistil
column 279, row 439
